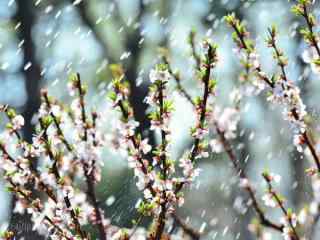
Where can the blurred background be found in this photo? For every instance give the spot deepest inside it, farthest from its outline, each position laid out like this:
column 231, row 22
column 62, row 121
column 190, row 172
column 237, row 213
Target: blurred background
column 43, row 41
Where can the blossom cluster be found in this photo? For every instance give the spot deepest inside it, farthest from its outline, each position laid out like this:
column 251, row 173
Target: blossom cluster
column 63, row 157
column 312, row 54
column 155, row 171
column 225, row 122
column 282, row 91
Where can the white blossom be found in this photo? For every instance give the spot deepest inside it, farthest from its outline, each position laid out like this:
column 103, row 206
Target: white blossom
column 17, row 122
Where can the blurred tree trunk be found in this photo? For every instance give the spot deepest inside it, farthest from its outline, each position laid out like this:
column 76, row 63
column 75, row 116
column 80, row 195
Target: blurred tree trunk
column 22, row 224
column 132, row 38
column 138, row 93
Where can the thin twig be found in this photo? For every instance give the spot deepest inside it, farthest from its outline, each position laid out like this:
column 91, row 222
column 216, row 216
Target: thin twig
column 163, row 159
column 279, row 55
column 310, row 27
column 56, row 173
column 232, row 157
column 194, row 234
column 280, row 204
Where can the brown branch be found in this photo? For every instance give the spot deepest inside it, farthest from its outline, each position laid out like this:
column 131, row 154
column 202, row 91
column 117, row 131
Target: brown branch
column 35, row 175
column 280, row 204
column 30, row 200
column 194, row 234
column 232, row 157
column 248, row 50
column 135, row 143
column 88, row 177
column 56, row 173
column 205, row 80
column 163, row 159
column 313, row 39
column 278, row 56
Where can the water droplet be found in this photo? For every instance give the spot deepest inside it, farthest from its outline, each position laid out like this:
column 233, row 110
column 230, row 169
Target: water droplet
column 99, row 20
column 27, row 66
column 37, row 2
column 4, row 65
column 17, row 26
column 76, row 2
column 58, row 14
column 48, row 9
column 10, row 3
column 110, row 200
column 125, row 55
column 203, row 227
column 225, row 230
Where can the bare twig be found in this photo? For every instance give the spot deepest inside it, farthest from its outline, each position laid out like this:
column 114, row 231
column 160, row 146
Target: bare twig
column 281, row 205
column 194, row 234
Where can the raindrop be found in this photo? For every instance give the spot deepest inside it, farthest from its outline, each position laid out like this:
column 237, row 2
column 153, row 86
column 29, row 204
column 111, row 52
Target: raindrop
column 211, row 16
column 251, row 136
column 27, row 66
column 43, row 72
column 214, row 222
column 138, row 203
column 125, row 55
column 214, row 236
column 17, row 26
column 247, row 5
column 136, row 26
column 246, row 159
column 58, row 14
column 156, row 13
column 163, row 20
column 56, row 35
column 4, row 65
column 295, row 185
column 37, row 2
column 10, row 3
column 141, row 41
column 110, row 200
column 215, row 23
column 99, row 20
column 48, row 31
column 102, row 66
column 21, row 43
column 77, row 31
column 55, row 82
column 225, row 230
column 203, row 227
column 209, row 32
column 48, row 43
column 112, row 7
column 48, row 9
column 203, row 213
column 139, row 81
column 129, row 22
column 76, row 2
